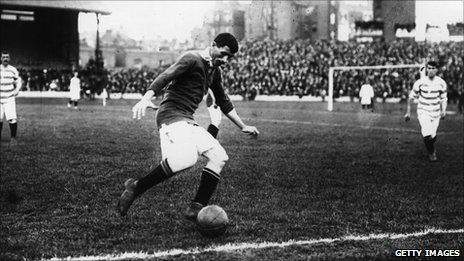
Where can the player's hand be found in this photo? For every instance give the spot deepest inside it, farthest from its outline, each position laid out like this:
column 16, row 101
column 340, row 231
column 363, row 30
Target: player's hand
column 215, row 114
column 139, row 109
column 407, row 117
column 443, row 115
column 252, row 130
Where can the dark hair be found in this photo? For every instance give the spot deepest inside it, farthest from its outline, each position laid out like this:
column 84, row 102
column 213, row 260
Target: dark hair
column 5, row 52
column 226, row 39
column 432, row 63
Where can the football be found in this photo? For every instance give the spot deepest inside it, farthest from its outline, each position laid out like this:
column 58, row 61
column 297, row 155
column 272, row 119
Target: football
column 212, row 221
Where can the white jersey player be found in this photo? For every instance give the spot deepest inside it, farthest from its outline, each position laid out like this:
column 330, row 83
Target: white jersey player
column 10, row 86
column 74, row 91
column 430, row 92
column 366, row 95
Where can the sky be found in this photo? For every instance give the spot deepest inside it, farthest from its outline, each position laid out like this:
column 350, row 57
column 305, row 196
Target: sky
column 175, row 19
column 148, row 19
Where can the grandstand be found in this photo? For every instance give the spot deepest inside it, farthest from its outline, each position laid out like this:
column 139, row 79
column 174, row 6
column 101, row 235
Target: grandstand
column 43, row 34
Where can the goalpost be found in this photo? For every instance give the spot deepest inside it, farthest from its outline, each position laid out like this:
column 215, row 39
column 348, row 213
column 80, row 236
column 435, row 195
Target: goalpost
column 346, row 68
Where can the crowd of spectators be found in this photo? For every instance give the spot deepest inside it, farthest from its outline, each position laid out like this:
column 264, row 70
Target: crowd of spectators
column 298, row 67
column 295, row 67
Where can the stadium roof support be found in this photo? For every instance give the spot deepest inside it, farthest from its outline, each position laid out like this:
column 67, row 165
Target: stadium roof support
column 78, row 5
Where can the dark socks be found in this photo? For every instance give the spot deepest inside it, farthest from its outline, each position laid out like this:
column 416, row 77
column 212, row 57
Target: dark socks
column 13, row 129
column 208, row 183
column 429, row 141
column 213, row 130
column 1, row 126
column 156, row 176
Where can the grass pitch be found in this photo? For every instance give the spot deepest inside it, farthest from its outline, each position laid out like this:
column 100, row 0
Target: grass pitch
column 311, row 174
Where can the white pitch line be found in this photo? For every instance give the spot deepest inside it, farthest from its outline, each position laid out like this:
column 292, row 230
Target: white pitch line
column 343, row 125
column 351, row 126
column 337, row 125
column 245, row 246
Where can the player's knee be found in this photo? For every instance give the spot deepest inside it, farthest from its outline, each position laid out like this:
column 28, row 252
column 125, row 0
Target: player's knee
column 217, row 159
column 182, row 159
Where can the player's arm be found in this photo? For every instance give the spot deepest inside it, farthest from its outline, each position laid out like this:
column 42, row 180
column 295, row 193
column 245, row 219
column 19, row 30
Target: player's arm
column 16, row 83
column 223, row 101
column 233, row 116
column 443, row 100
column 175, row 70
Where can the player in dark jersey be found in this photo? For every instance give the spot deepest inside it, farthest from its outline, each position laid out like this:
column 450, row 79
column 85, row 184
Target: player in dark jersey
column 181, row 139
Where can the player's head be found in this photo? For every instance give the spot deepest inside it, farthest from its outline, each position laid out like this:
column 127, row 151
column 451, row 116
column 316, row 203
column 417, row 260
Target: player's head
column 75, row 73
column 5, row 57
column 224, row 47
column 432, row 68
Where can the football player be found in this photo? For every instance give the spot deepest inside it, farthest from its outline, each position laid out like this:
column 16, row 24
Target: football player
column 74, row 90
column 430, row 91
column 366, row 96
column 9, row 89
column 181, row 139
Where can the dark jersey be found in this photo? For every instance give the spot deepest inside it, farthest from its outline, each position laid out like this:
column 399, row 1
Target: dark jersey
column 189, row 79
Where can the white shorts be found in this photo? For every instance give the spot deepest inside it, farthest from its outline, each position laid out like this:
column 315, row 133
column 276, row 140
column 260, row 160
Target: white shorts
column 429, row 125
column 74, row 96
column 8, row 109
column 366, row 100
column 181, row 136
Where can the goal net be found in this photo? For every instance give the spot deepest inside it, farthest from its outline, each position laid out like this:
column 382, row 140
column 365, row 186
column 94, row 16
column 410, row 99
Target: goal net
column 388, row 79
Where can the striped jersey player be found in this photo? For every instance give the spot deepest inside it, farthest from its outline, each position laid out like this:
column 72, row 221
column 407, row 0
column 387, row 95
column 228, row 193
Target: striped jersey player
column 10, row 86
column 430, row 94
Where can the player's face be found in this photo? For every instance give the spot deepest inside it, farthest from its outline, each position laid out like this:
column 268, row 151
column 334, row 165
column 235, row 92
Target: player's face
column 5, row 59
column 221, row 55
column 431, row 71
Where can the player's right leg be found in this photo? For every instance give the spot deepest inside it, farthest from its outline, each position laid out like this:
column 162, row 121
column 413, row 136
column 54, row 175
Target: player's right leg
column 211, row 174
column 10, row 115
column 428, row 131
column 178, row 153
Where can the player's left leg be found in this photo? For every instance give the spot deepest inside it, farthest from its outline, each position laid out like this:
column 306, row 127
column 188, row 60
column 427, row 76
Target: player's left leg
column 10, row 114
column 433, row 133
column 428, row 130
column 178, row 152
column 211, row 174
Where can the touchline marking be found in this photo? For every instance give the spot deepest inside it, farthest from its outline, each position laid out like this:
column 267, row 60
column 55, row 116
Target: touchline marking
column 243, row 246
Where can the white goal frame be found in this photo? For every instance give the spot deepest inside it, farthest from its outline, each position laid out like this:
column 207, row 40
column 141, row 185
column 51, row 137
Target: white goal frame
column 346, row 68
